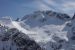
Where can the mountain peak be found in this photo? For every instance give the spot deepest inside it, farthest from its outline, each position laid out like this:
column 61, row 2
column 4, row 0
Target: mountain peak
column 52, row 30
column 45, row 14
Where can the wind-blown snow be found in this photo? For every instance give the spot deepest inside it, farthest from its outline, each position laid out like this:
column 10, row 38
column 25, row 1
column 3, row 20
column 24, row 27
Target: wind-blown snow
column 32, row 34
column 16, row 25
column 40, row 36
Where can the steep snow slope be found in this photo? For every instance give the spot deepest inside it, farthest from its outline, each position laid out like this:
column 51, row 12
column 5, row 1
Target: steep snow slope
column 13, row 38
column 32, row 34
column 54, row 30
column 43, row 24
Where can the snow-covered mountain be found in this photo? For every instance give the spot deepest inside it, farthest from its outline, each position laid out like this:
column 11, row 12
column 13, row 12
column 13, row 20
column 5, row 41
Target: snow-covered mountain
column 52, row 30
column 13, row 39
column 49, row 30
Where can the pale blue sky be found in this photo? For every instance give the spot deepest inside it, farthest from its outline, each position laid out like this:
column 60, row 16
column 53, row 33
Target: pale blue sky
column 19, row 8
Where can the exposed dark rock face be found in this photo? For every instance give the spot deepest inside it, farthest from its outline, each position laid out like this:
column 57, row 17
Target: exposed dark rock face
column 73, row 17
column 21, row 40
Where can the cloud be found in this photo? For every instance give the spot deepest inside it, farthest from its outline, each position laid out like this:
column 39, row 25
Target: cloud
column 69, row 8
column 21, row 7
column 63, row 6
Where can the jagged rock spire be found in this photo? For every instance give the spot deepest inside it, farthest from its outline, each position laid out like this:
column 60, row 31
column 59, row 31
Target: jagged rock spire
column 73, row 16
column 17, row 19
column 0, row 24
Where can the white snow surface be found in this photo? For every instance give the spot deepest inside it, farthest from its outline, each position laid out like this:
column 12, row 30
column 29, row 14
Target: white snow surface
column 45, row 33
column 42, row 36
column 48, row 30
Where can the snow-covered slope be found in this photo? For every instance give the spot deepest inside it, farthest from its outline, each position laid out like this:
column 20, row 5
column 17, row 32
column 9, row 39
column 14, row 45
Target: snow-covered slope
column 51, row 30
column 13, row 36
column 47, row 24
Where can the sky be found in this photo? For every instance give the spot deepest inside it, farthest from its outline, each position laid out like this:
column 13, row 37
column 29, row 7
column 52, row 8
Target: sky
column 19, row 8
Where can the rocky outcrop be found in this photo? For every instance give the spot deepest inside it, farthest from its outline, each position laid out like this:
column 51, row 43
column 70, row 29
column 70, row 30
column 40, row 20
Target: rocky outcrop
column 19, row 39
